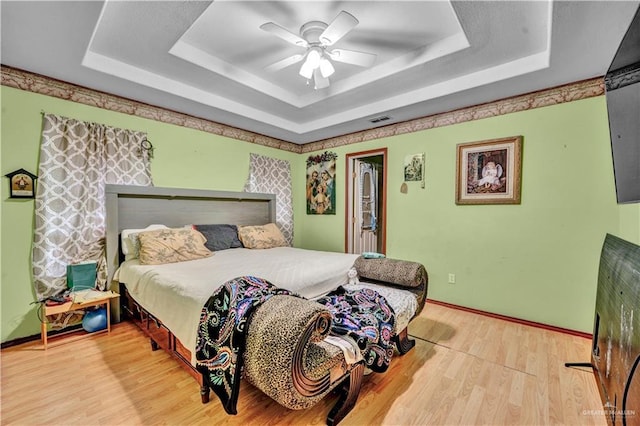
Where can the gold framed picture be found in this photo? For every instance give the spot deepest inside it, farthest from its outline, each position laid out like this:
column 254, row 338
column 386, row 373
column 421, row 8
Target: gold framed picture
column 489, row 172
column 22, row 184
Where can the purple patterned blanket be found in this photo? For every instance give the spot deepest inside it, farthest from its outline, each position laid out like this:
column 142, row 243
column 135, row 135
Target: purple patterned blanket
column 365, row 316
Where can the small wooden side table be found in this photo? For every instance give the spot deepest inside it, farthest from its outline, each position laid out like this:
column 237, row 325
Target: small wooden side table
column 80, row 300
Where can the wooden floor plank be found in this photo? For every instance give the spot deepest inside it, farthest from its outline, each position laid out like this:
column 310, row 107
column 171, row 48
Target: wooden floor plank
column 465, row 369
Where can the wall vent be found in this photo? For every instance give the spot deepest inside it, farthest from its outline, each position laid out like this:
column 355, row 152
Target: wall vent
column 379, row 119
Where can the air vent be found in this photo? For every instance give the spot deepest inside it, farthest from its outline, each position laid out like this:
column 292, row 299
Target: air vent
column 379, row 119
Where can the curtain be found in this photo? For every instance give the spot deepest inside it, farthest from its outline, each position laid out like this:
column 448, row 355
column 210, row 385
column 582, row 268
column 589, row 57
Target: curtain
column 77, row 159
column 272, row 176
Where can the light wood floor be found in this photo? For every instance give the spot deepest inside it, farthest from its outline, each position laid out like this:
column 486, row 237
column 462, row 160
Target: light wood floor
column 465, row 369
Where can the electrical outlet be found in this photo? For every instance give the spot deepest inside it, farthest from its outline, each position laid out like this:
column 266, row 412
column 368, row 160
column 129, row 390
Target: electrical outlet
column 452, row 278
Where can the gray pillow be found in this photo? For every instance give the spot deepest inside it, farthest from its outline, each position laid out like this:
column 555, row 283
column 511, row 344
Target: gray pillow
column 220, row 237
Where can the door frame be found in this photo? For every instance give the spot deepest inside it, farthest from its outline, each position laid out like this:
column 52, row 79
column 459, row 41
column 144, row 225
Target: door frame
column 382, row 196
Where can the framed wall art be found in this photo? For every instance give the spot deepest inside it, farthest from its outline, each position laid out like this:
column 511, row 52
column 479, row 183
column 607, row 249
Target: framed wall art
column 414, row 168
column 489, row 172
column 321, row 189
column 22, row 184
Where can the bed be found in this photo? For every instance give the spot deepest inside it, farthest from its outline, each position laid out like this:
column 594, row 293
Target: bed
column 304, row 362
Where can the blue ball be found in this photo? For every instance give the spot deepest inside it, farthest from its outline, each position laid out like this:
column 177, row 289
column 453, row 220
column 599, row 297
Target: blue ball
column 95, row 320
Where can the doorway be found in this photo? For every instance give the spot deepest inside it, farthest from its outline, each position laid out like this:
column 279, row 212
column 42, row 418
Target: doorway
column 366, row 201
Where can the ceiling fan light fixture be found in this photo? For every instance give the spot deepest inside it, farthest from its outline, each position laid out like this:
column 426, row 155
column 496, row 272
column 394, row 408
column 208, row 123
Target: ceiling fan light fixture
column 326, row 68
column 316, row 37
column 306, row 70
column 313, row 57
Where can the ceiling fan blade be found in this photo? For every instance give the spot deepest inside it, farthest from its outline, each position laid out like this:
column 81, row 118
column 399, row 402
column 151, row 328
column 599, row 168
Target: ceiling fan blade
column 284, row 34
column 338, row 28
column 320, row 81
column 353, row 57
column 277, row 66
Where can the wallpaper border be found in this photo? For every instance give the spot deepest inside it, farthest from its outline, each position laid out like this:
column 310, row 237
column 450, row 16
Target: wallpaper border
column 547, row 97
column 36, row 83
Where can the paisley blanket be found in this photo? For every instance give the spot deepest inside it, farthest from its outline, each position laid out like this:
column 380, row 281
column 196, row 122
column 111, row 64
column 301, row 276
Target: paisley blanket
column 222, row 334
column 365, row 316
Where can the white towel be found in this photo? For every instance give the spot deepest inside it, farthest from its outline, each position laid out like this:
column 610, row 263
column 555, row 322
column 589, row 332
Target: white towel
column 349, row 347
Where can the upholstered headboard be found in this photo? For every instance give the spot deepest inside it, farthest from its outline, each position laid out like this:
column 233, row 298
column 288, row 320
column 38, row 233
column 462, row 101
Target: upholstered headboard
column 134, row 207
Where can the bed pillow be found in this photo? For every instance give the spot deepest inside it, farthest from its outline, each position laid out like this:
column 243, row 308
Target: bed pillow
column 129, row 242
column 220, row 237
column 171, row 245
column 261, row 237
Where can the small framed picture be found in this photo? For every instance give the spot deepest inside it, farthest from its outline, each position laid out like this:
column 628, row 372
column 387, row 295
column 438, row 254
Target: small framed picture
column 489, row 172
column 22, row 184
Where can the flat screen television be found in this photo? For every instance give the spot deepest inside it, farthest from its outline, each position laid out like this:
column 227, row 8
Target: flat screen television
column 622, row 84
column 615, row 355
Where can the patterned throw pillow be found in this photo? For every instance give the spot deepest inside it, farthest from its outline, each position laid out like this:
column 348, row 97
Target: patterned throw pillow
column 130, row 244
column 171, row 245
column 261, row 237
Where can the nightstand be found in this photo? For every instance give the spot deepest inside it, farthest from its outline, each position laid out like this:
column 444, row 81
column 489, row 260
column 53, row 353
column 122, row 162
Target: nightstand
column 80, row 300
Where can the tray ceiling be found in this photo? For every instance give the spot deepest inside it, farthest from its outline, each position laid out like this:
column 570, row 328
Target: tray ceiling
column 208, row 59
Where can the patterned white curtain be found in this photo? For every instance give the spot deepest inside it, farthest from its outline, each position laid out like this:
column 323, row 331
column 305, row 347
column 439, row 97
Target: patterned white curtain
column 77, row 159
column 272, row 176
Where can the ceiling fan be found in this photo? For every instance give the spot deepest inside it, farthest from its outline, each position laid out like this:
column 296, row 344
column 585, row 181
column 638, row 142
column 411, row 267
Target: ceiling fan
column 317, row 37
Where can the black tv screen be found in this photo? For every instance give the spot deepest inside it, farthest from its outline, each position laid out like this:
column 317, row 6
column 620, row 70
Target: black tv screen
column 623, row 104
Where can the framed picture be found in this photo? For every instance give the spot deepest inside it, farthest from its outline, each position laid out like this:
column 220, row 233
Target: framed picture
column 414, row 168
column 321, row 189
column 489, row 172
column 22, row 184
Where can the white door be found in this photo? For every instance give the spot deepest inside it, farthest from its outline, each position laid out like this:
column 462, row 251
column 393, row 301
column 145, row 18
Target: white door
column 364, row 207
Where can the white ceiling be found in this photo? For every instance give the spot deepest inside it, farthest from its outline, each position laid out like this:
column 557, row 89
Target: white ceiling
column 208, row 59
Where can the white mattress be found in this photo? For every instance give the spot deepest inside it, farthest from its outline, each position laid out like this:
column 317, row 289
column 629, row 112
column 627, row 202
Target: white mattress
column 175, row 293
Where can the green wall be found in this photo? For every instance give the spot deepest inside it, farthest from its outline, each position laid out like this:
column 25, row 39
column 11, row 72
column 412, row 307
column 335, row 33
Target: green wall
column 183, row 158
column 536, row 261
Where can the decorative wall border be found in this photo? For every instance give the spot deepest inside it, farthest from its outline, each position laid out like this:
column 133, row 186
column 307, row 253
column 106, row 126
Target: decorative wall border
column 37, row 83
column 552, row 96
column 40, row 84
